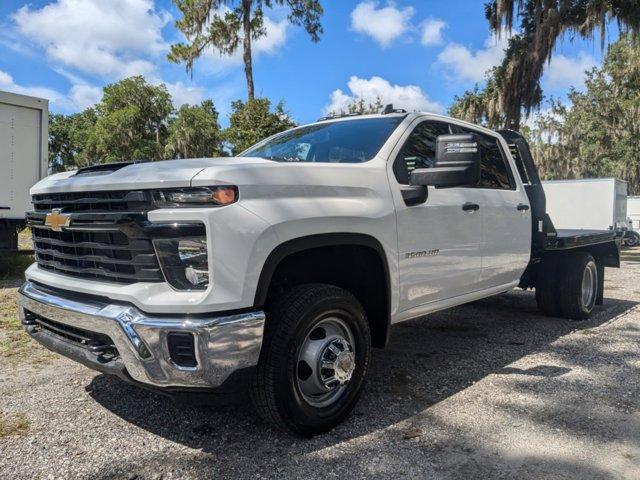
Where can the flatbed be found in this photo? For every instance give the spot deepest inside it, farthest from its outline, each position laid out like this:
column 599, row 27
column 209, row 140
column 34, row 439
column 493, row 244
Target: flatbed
column 567, row 239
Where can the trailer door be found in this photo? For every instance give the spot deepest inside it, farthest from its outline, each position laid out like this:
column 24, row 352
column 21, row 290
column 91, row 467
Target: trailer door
column 19, row 158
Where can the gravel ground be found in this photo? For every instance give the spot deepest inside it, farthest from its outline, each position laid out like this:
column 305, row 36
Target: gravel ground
column 488, row 390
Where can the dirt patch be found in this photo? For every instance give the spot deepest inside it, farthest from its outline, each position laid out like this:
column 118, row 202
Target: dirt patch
column 15, row 345
column 488, row 390
column 14, row 424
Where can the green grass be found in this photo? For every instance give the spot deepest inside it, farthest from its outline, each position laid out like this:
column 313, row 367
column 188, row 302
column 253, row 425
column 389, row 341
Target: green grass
column 14, row 424
column 13, row 266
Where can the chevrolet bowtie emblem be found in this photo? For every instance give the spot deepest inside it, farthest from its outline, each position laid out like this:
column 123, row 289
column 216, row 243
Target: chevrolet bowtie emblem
column 57, row 220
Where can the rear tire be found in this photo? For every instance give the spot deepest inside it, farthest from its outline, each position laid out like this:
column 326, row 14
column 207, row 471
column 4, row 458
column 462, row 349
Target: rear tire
column 578, row 285
column 308, row 328
column 547, row 287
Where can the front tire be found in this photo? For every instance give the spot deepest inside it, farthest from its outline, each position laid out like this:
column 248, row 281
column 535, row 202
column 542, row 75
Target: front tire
column 314, row 359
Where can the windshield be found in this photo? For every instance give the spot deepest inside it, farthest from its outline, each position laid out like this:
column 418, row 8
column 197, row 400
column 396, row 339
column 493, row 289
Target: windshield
column 349, row 141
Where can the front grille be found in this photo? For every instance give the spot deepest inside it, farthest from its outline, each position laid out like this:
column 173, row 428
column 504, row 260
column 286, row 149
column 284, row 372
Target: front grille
column 106, row 239
column 97, row 343
column 119, row 201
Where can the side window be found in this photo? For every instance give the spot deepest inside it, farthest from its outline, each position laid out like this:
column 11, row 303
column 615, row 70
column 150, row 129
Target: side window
column 494, row 170
column 419, row 151
column 522, row 169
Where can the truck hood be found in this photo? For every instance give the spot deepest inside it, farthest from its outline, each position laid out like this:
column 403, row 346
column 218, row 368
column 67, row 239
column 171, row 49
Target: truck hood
column 163, row 174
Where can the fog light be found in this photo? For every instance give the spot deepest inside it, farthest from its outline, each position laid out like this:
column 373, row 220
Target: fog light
column 184, row 262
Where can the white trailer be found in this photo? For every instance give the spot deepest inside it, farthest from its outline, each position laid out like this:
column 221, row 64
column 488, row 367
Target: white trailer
column 587, row 204
column 633, row 212
column 24, row 132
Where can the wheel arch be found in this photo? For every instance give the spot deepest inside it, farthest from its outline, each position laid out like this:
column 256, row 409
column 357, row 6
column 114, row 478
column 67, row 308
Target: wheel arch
column 378, row 310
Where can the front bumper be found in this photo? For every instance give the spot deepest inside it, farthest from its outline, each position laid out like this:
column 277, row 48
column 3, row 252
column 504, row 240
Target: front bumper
column 222, row 344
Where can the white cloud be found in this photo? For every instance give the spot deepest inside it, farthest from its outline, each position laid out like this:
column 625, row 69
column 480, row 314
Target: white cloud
column 564, row 72
column 79, row 96
column 409, row 97
column 432, row 31
column 383, row 24
column 113, row 39
column 465, row 65
column 7, row 83
column 83, row 96
column 5, row 78
column 274, row 39
column 181, row 93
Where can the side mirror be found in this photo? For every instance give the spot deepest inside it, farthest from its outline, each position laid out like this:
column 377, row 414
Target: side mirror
column 457, row 163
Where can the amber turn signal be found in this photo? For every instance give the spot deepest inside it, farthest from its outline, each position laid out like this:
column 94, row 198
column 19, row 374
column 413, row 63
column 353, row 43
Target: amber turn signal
column 225, row 195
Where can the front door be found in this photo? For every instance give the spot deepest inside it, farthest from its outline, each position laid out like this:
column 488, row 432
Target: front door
column 439, row 241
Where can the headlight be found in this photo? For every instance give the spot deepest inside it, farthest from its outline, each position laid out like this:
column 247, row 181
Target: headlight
column 184, row 262
column 195, row 197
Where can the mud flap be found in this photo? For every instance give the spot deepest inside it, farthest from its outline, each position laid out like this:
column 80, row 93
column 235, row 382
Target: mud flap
column 600, row 295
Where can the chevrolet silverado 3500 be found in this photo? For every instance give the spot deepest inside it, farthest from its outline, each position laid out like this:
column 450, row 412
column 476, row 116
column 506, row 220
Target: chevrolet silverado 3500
column 282, row 268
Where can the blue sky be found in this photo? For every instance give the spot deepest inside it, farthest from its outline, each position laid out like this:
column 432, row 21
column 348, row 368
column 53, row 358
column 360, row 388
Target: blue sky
column 417, row 54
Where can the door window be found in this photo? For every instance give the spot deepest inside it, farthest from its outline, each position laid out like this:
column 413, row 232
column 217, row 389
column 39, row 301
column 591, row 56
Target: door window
column 419, row 151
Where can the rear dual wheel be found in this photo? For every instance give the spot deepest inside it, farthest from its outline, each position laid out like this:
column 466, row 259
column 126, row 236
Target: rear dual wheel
column 567, row 285
column 314, row 359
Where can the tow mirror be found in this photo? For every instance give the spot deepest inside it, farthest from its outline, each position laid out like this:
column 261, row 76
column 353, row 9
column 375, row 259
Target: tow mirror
column 457, row 163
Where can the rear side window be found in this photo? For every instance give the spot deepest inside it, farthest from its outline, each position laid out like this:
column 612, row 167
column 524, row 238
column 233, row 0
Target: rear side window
column 494, row 170
column 522, row 169
column 419, row 151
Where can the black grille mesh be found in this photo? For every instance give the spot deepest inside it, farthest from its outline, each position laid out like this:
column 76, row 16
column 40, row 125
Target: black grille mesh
column 99, row 243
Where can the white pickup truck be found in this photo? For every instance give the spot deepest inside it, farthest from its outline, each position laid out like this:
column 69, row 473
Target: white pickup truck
column 282, row 268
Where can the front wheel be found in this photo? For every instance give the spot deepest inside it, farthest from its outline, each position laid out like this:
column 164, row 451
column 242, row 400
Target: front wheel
column 314, row 359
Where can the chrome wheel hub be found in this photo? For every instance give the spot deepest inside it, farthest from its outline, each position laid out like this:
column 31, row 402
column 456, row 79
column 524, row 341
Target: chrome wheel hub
column 589, row 285
column 326, row 362
column 337, row 363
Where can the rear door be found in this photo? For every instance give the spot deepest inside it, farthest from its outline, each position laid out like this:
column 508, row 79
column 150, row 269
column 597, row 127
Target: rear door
column 439, row 241
column 506, row 214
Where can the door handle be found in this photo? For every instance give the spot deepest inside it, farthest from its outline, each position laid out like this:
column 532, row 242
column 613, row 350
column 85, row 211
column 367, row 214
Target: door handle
column 470, row 207
column 522, row 207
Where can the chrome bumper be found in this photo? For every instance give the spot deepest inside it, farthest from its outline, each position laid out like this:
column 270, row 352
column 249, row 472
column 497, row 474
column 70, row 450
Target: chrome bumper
column 223, row 344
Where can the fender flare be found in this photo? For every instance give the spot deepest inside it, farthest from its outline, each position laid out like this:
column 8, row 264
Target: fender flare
column 310, row 242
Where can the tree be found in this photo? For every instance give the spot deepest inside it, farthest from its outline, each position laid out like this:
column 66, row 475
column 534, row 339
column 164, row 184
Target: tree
column 253, row 121
column 481, row 106
column 542, row 24
column 359, row 106
column 136, row 120
column 211, row 23
column 597, row 134
column 62, row 150
column 67, row 139
column 131, row 122
column 194, row 132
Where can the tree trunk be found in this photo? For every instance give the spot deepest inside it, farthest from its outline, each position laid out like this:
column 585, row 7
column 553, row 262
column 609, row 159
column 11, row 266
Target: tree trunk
column 246, row 45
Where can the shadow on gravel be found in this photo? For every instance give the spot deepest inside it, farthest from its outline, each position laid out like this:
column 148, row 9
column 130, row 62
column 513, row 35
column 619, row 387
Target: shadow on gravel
column 426, row 362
